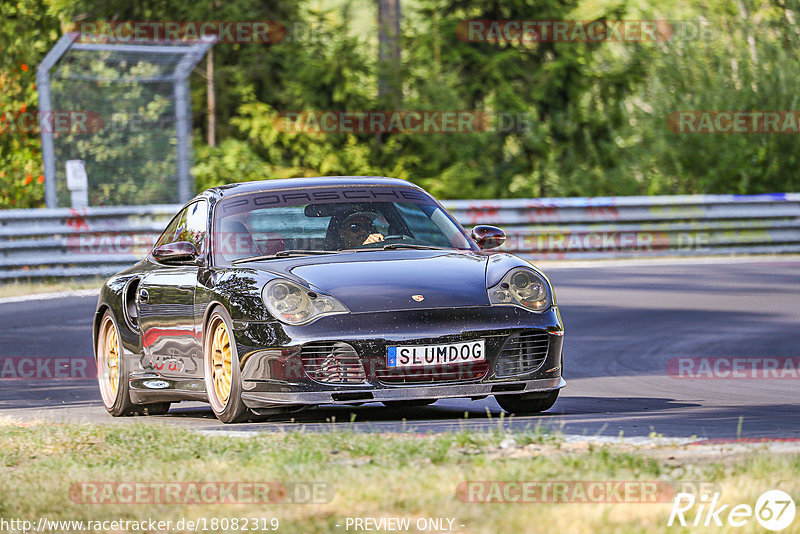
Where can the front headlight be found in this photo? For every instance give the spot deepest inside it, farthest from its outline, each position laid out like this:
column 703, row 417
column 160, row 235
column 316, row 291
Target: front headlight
column 521, row 287
column 293, row 304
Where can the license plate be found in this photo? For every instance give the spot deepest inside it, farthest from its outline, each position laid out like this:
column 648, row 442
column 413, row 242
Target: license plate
column 424, row 355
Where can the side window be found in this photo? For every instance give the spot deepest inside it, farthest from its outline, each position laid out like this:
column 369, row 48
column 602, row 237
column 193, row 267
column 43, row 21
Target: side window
column 193, row 224
column 189, row 225
column 169, row 234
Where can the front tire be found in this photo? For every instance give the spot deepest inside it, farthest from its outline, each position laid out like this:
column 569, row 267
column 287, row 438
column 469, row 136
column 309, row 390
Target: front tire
column 527, row 404
column 223, row 378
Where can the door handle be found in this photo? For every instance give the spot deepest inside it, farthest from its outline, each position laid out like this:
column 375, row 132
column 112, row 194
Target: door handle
column 144, row 296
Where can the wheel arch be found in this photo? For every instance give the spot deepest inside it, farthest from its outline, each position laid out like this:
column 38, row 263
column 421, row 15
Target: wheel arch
column 214, row 304
column 112, row 298
column 98, row 318
column 210, row 307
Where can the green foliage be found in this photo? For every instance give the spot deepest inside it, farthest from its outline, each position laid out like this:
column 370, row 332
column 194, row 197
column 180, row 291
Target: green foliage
column 595, row 115
column 586, row 118
column 723, row 72
column 131, row 158
column 29, row 29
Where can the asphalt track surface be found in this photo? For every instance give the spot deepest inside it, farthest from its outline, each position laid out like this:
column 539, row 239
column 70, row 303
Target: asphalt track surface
column 623, row 325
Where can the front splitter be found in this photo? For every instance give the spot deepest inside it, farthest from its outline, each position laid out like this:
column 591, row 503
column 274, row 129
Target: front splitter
column 264, row 399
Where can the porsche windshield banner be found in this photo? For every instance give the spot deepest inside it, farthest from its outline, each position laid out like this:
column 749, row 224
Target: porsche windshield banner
column 328, row 195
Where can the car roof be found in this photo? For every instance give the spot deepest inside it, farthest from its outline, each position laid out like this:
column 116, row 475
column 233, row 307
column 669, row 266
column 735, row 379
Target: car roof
column 287, row 183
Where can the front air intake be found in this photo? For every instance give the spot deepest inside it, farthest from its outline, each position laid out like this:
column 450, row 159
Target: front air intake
column 522, row 353
column 332, row 363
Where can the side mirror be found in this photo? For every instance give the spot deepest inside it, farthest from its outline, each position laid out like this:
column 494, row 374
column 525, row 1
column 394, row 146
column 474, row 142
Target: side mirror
column 488, row 236
column 177, row 252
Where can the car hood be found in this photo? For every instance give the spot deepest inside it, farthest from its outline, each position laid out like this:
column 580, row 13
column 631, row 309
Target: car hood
column 388, row 280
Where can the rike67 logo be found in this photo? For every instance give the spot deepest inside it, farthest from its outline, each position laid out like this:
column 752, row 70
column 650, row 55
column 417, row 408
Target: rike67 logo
column 774, row 510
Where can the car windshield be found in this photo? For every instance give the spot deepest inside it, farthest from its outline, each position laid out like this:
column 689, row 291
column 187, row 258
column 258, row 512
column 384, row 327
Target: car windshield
column 329, row 219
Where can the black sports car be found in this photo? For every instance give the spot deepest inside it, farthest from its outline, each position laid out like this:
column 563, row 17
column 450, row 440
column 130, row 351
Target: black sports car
column 267, row 297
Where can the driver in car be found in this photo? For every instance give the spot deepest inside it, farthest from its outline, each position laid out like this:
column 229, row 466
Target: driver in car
column 358, row 229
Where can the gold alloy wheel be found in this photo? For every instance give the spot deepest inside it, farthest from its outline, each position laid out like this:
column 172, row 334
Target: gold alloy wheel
column 221, row 360
column 108, row 367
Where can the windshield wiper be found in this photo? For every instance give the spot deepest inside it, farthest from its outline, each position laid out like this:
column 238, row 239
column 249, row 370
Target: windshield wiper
column 392, row 246
column 298, row 252
column 284, row 254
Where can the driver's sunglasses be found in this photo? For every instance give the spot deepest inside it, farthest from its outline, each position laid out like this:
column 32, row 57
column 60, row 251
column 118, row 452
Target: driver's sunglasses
column 359, row 227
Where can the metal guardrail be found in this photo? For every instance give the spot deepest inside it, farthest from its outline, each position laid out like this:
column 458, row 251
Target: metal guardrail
column 623, row 227
column 100, row 241
column 70, row 243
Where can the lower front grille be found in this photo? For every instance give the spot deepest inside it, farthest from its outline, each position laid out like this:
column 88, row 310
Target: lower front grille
column 522, row 353
column 332, row 363
column 433, row 374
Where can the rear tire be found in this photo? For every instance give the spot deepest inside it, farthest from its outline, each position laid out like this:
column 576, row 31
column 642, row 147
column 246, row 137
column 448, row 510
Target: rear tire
column 223, row 378
column 112, row 368
column 527, row 403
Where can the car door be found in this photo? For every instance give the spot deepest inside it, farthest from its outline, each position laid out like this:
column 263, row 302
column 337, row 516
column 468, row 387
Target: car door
column 170, row 339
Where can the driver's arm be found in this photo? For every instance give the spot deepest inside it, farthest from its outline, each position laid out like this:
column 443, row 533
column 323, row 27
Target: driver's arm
column 373, row 238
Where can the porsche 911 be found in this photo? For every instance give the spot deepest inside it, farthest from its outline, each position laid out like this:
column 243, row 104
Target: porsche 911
column 269, row 297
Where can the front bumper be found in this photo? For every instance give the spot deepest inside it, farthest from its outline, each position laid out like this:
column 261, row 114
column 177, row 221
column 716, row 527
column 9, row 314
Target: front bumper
column 475, row 390
column 263, row 348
